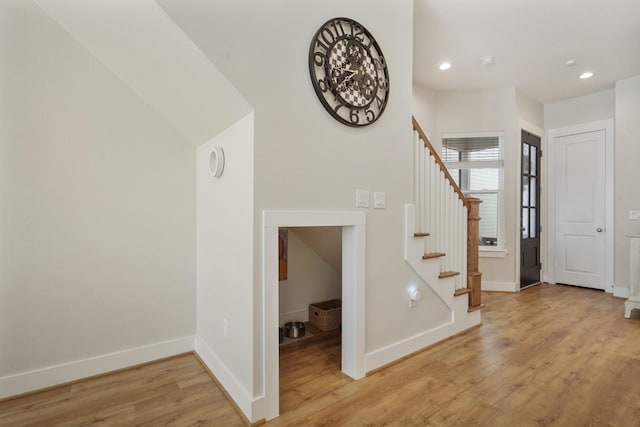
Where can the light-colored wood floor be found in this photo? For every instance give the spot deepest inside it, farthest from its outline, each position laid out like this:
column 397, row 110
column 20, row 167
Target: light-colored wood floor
column 548, row 356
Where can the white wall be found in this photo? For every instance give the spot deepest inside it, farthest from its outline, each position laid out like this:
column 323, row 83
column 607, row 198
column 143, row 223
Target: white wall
column 310, row 279
column 627, row 173
column 425, row 110
column 152, row 56
column 326, row 242
column 97, row 212
column 305, row 159
column 579, row 110
column 530, row 111
column 225, row 259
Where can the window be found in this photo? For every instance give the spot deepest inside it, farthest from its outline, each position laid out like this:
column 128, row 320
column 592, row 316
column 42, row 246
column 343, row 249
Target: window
column 475, row 162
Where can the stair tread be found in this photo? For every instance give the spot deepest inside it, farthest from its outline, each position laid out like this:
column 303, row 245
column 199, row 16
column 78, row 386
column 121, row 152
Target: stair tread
column 433, row 255
column 477, row 307
column 462, row 291
column 420, row 234
column 448, row 274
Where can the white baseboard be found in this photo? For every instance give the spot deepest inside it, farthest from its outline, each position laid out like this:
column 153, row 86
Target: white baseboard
column 410, row 345
column 242, row 398
column 37, row 379
column 620, row 292
column 499, row 286
column 294, row 316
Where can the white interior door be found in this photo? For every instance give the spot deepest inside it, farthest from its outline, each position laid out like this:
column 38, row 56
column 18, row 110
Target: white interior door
column 580, row 209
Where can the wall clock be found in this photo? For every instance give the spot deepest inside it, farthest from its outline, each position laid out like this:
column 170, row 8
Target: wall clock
column 349, row 72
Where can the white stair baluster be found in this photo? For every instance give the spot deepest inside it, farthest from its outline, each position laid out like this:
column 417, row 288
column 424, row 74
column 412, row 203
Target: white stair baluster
column 427, row 196
column 417, row 142
column 464, row 247
column 457, row 238
column 433, row 168
column 451, row 243
column 421, row 201
column 447, row 227
column 461, row 242
column 438, row 227
column 443, row 218
column 425, row 189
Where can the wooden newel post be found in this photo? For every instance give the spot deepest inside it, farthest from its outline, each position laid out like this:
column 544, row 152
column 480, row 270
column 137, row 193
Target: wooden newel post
column 474, row 277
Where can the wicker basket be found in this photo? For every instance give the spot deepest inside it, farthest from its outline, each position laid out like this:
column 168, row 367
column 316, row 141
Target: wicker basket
column 326, row 315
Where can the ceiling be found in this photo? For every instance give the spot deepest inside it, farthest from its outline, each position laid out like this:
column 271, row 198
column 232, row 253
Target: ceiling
column 530, row 40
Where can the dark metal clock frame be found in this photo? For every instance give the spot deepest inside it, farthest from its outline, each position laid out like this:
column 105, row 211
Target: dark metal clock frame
column 349, row 72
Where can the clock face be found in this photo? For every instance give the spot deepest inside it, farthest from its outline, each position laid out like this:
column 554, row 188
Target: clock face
column 348, row 72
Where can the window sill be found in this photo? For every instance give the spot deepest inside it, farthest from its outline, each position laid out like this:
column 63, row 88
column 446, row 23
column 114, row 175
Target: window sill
column 485, row 252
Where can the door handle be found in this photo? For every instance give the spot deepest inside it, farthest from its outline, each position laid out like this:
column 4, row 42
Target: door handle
column 599, row 230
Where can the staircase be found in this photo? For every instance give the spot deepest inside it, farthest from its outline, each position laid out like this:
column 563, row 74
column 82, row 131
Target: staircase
column 441, row 234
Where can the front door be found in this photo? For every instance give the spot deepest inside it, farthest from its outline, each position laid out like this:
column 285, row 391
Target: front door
column 530, row 213
column 580, row 209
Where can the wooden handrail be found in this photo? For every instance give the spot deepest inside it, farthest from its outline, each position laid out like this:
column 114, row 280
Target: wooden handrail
column 434, row 153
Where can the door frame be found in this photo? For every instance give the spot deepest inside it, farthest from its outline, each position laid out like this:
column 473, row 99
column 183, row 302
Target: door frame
column 608, row 127
column 539, row 207
column 353, row 293
column 537, row 131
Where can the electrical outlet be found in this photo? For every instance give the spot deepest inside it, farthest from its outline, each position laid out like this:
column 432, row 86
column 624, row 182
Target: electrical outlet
column 634, row 214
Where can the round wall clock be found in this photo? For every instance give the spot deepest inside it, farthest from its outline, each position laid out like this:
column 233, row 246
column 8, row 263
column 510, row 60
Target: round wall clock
column 348, row 72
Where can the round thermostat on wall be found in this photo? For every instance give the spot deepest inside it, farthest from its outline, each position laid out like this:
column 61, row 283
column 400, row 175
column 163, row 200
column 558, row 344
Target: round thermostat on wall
column 216, row 162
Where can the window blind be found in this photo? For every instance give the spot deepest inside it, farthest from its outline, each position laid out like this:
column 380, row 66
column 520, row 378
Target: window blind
column 471, row 149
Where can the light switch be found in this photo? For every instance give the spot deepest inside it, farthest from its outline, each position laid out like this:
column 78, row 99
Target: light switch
column 634, row 214
column 362, row 198
column 379, row 200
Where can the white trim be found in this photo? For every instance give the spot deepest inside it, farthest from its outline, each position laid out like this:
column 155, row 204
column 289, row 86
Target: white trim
column 610, row 203
column 491, row 252
column 620, row 292
column 410, row 345
column 608, row 127
column 37, row 379
column 313, row 218
column 500, row 286
column 476, row 164
column 232, row 385
column 353, row 295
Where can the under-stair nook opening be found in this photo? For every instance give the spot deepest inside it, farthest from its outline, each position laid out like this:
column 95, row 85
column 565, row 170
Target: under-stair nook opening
column 352, row 225
column 310, row 302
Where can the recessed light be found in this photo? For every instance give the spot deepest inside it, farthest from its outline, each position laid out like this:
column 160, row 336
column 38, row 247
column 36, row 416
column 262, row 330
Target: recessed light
column 445, row 66
column 570, row 63
column 586, row 75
